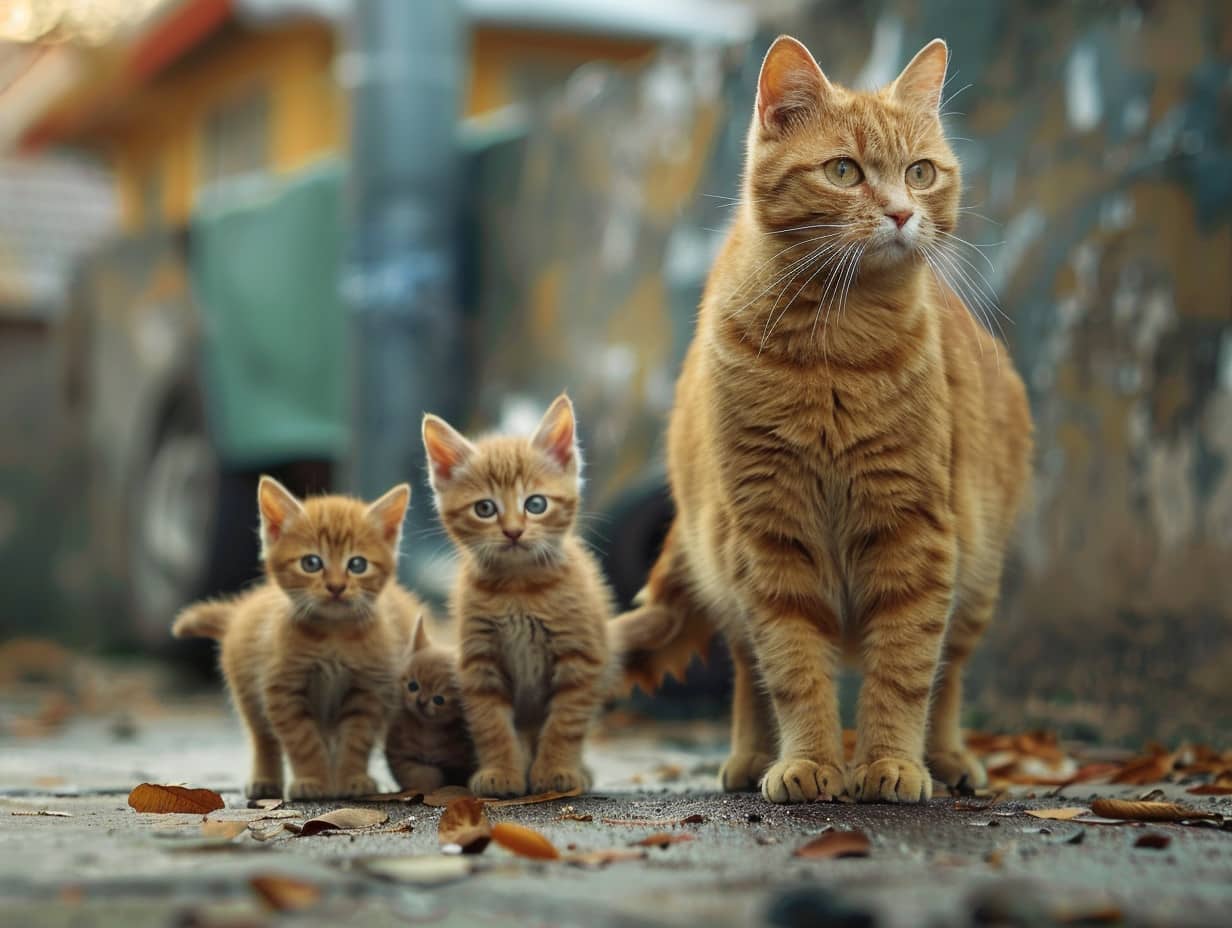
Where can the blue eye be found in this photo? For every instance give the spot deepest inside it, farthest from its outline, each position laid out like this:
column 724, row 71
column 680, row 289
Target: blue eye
column 439, row 700
column 357, row 565
column 413, row 686
column 311, row 563
column 485, row 508
column 536, row 505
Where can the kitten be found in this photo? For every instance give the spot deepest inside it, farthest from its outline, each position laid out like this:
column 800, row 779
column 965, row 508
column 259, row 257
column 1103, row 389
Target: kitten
column 848, row 448
column 310, row 655
column 530, row 602
column 427, row 745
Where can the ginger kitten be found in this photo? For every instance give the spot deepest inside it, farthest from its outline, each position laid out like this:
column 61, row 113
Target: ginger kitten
column 427, row 745
column 311, row 656
column 848, row 448
column 531, row 605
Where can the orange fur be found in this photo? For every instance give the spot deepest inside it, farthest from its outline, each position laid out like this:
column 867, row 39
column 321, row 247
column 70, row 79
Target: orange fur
column 311, row 655
column 848, row 448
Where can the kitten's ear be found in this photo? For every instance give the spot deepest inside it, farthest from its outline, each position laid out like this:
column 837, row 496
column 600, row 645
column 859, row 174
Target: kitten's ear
column 447, row 449
column 277, row 504
column 557, row 433
column 791, row 85
column 389, row 511
column 921, row 81
column 419, row 641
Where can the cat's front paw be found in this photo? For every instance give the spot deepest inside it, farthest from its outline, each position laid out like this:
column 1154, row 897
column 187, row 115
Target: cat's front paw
column 263, row 789
column 959, row 768
column 545, row 779
column 742, row 772
column 308, row 788
column 498, row 781
column 891, row 779
column 801, row 780
column 359, row 784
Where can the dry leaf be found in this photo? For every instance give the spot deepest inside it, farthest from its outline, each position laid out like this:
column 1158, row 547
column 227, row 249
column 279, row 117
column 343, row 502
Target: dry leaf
column 440, row 798
column 43, row 812
column 266, row 805
column 595, row 859
column 694, row 819
column 407, row 796
column 574, row 817
column 265, row 830
column 662, row 839
column 284, row 893
column 343, row 819
column 1153, row 840
column 1057, row 815
column 151, row 797
column 835, row 844
column 1210, row 789
column 524, row 841
column 212, row 828
column 532, row 799
column 464, row 824
column 1135, row 810
column 1149, row 769
column 655, row 822
column 423, row 870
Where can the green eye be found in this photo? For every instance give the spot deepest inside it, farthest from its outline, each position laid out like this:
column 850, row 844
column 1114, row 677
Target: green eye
column 357, row 564
column 843, row 172
column 311, row 563
column 921, row 174
column 536, row 505
column 485, row 508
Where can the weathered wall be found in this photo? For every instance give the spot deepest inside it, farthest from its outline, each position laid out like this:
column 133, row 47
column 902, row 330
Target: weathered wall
column 1097, row 145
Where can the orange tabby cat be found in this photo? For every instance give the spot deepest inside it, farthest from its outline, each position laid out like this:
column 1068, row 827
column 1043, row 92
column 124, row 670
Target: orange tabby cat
column 427, row 745
column 311, row 655
column 530, row 602
column 848, row 448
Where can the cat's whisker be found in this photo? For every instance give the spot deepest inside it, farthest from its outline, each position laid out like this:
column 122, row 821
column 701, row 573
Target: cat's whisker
column 945, row 286
column 981, row 283
column 790, row 272
column 958, row 239
column 757, row 270
column 772, row 320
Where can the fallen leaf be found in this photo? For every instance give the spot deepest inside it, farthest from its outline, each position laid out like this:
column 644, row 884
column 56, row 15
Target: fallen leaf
column 1057, row 815
column 1088, row 772
column 1146, row 811
column 407, row 796
column 1149, row 769
column 265, row 830
column 152, row 797
column 439, row 798
column 524, row 841
column 835, row 844
column 655, row 822
column 532, row 799
column 267, row 805
column 1153, row 840
column 343, row 819
column 275, row 814
column 43, row 812
column 223, row 829
column 1210, row 789
column 285, row 893
column 464, row 824
column 1102, row 820
column 574, row 817
column 595, row 859
column 429, row 870
column 694, row 819
column 662, row 839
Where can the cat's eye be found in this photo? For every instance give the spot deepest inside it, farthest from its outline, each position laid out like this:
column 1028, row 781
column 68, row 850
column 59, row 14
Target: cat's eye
column 843, row 172
column 357, row 564
column 311, row 563
column 485, row 508
column 921, row 174
column 439, row 700
column 413, row 686
column 536, row 505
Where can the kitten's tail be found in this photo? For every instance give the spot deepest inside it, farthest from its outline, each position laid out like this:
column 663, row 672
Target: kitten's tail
column 207, row 619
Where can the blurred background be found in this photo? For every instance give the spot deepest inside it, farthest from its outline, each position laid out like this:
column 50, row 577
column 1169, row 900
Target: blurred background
column 247, row 236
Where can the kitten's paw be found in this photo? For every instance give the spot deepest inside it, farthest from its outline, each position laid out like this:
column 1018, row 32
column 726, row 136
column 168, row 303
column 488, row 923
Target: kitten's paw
column 891, row 779
column 359, row 784
column 558, row 779
column 958, row 768
column 263, row 789
column 308, row 788
column 742, row 772
column 801, row 780
column 498, row 781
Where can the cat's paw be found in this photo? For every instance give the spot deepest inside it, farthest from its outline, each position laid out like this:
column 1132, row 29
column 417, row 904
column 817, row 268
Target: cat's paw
column 742, row 772
column 960, row 769
column 359, row 784
column 891, row 779
column 498, row 781
column 263, row 789
column 545, row 779
column 308, row 788
column 801, row 780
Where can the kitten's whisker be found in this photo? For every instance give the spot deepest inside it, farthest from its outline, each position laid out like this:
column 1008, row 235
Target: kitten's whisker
column 978, row 248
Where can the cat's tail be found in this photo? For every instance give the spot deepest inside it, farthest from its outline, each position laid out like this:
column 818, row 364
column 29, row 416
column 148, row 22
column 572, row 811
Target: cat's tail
column 208, row 619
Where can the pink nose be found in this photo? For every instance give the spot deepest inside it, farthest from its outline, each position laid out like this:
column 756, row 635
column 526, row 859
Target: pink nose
column 335, row 588
column 513, row 534
column 900, row 218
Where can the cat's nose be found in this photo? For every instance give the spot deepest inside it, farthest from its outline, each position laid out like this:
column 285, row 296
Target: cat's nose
column 336, row 589
column 900, row 218
column 513, row 534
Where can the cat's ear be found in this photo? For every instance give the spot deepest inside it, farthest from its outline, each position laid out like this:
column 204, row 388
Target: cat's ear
column 791, row 85
column 390, row 510
column 277, row 504
column 921, row 81
column 419, row 640
column 557, row 433
column 446, row 448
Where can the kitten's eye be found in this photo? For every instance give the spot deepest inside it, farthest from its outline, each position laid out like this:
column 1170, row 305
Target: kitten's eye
column 536, row 505
column 357, row 564
column 843, row 172
column 921, row 174
column 439, row 700
column 485, row 509
column 413, row 686
column 311, row 563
